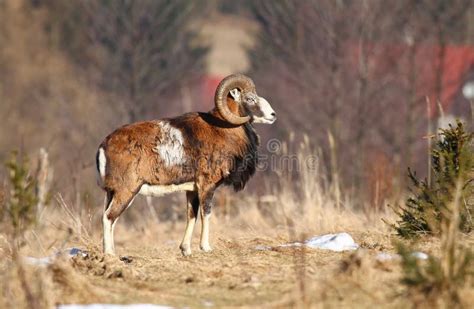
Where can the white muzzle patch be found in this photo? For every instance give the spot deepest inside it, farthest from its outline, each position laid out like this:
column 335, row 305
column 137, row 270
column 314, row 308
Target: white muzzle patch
column 268, row 114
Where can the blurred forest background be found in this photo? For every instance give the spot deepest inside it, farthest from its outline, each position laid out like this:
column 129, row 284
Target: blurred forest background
column 366, row 81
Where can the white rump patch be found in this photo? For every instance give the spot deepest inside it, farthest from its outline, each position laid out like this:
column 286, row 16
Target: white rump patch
column 102, row 163
column 170, row 146
column 150, row 190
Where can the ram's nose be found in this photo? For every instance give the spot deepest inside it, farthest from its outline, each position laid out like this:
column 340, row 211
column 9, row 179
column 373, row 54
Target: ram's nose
column 273, row 117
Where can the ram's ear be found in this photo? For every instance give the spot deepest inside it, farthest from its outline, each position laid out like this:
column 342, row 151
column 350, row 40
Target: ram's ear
column 235, row 93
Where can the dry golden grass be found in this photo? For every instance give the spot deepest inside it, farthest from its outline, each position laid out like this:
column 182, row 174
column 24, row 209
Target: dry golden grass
column 234, row 274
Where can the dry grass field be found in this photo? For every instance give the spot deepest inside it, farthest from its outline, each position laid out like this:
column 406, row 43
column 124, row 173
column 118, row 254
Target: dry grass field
column 235, row 274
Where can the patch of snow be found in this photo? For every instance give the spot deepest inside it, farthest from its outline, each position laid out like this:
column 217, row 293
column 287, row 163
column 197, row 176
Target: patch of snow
column 37, row 261
column 334, row 242
column 291, row 244
column 420, row 255
column 112, row 306
column 262, row 248
column 75, row 251
column 44, row 261
column 384, row 256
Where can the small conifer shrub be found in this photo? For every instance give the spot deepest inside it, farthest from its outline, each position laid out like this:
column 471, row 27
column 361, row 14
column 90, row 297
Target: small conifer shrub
column 452, row 161
column 19, row 209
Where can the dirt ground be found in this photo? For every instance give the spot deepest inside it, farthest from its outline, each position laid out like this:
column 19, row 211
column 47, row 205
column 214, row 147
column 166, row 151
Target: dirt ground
column 235, row 274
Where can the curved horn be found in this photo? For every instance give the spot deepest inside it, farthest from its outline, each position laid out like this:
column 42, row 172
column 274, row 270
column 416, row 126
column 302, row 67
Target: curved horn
column 240, row 81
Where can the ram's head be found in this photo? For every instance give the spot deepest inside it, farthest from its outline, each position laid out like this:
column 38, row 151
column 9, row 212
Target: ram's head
column 252, row 107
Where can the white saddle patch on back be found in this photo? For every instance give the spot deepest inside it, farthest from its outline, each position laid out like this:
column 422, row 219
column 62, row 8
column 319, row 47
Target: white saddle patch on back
column 170, row 146
column 150, row 190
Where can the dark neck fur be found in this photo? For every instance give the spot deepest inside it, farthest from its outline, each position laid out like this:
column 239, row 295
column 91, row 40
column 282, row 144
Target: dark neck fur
column 246, row 165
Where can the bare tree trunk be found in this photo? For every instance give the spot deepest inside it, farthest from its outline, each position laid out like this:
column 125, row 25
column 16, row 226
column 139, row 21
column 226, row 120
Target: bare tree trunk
column 470, row 26
column 334, row 171
column 44, row 176
column 440, row 68
column 471, row 104
column 361, row 100
column 410, row 130
column 428, row 111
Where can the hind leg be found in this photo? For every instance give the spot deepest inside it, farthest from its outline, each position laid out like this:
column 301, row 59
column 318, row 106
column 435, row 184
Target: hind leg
column 115, row 205
column 108, row 235
column 205, row 201
column 192, row 209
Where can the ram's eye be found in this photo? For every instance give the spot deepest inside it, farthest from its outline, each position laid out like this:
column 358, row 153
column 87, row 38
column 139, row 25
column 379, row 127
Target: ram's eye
column 251, row 100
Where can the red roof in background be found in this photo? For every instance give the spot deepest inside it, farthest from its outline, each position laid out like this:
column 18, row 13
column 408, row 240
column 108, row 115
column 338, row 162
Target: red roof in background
column 209, row 85
column 458, row 62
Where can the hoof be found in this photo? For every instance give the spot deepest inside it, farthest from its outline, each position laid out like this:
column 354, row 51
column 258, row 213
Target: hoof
column 185, row 250
column 206, row 248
